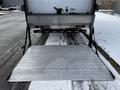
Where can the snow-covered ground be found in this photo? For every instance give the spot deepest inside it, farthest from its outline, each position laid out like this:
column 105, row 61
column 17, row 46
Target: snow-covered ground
column 107, row 29
column 2, row 13
column 50, row 85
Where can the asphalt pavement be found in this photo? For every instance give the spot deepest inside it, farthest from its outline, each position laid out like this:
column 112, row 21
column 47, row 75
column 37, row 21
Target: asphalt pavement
column 12, row 29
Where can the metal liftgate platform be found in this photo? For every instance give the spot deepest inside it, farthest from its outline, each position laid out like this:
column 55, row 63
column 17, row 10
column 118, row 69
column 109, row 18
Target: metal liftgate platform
column 60, row 63
column 70, row 62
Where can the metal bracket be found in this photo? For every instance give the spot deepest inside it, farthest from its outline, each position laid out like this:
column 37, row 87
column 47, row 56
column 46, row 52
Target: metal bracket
column 28, row 36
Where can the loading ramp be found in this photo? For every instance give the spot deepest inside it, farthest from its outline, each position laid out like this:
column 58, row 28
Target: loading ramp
column 70, row 62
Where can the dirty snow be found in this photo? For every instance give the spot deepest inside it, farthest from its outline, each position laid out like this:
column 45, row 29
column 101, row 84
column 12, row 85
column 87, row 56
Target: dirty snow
column 50, row 85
